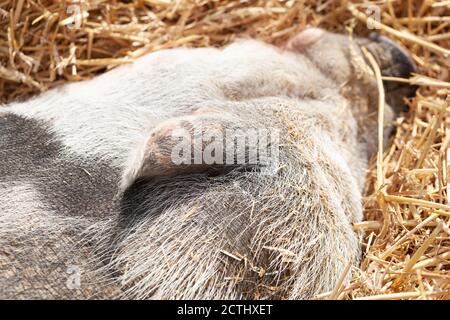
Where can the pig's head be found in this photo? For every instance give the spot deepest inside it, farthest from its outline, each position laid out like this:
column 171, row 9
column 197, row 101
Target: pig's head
column 341, row 58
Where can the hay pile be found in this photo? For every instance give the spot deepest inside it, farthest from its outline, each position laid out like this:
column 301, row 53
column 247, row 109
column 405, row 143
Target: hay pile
column 407, row 229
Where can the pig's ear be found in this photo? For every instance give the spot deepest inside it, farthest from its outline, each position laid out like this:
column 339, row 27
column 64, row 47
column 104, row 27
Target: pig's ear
column 304, row 39
column 172, row 148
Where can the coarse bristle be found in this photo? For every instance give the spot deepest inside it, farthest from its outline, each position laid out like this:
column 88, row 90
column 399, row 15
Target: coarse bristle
column 406, row 246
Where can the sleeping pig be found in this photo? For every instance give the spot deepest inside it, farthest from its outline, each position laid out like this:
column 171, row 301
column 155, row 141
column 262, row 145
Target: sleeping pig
column 231, row 173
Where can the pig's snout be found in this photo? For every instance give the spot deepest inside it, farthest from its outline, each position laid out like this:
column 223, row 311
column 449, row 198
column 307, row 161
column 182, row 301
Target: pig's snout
column 394, row 61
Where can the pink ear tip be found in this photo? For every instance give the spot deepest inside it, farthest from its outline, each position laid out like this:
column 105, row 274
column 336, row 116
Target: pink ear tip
column 308, row 37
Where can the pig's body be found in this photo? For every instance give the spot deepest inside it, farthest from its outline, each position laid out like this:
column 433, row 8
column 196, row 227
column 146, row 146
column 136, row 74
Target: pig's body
column 68, row 155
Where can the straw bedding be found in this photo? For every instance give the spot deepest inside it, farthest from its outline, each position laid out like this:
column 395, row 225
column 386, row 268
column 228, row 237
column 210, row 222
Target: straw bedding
column 407, row 209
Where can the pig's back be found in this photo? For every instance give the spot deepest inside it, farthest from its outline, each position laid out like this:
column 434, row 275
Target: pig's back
column 106, row 117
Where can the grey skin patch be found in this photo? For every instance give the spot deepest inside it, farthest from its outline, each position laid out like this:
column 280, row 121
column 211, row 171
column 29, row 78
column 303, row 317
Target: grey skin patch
column 73, row 187
column 36, row 264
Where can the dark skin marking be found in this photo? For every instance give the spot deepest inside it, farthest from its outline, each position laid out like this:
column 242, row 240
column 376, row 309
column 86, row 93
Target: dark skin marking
column 74, row 187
